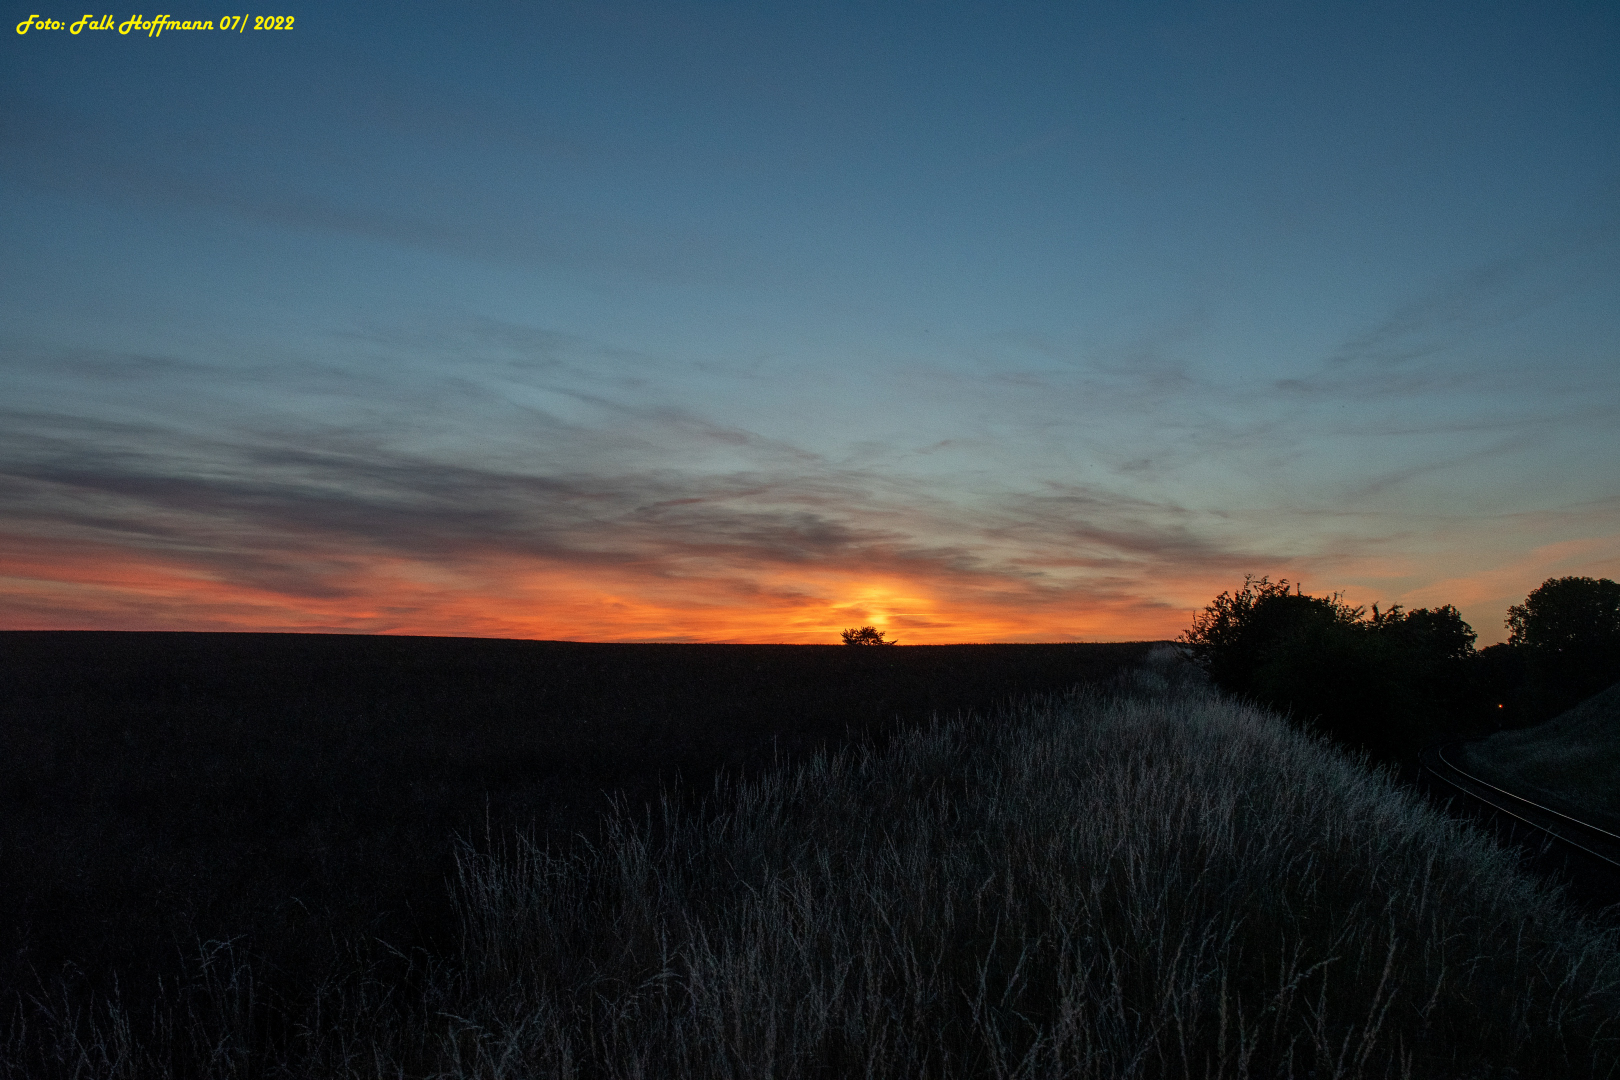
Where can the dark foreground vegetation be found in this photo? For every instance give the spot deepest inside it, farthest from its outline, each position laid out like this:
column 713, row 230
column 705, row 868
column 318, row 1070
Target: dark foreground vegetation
column 1149, row 883
column 293, row 793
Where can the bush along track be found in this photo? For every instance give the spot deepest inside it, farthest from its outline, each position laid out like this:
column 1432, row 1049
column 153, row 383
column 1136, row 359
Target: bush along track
column 1148, row 885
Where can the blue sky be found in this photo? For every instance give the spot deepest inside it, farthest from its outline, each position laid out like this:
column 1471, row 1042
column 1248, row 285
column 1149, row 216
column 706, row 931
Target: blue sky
column 746, row 322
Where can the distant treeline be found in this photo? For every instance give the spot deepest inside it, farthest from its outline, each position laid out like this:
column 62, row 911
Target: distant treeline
column 1394, row 681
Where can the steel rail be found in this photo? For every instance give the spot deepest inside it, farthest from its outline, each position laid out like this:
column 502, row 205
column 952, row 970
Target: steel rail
column 1539, row 827
column 1440, row 752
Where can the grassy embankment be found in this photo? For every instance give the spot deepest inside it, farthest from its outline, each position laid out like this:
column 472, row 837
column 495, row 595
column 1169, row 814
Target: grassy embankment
column 1570, row 763
column 283, row 790
column 1159, row 885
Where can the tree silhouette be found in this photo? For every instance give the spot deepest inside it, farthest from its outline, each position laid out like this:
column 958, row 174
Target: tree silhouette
column 1240, row 633
column 1568, row 614
column 1435, row 634
column 1568, row 632
column 866, row 635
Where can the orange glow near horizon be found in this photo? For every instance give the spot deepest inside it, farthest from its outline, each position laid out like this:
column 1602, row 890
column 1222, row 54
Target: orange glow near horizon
column 69, row 584
column 91, row 586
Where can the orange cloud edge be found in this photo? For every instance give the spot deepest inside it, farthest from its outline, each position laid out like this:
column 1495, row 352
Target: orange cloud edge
column 80, row 584
column 89, row 586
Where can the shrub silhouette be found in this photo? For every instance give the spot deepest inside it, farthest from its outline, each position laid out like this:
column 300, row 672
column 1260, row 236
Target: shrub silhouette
column 866, row 635
column 1239, row 634
column 1389, row 682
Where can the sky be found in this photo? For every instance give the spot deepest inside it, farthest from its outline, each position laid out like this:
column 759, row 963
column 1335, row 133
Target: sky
column 752, row 322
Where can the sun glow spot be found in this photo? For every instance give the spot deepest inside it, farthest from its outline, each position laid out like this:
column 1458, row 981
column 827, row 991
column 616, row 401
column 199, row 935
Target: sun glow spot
column 85, row 584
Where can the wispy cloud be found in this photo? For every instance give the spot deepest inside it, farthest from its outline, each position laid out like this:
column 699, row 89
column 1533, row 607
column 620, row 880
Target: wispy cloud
column 1519, row 283
column 391, row 196
column 498, row 478
column 309, row 518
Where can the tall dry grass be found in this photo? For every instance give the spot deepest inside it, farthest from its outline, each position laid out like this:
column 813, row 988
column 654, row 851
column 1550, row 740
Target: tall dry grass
column 1156, row 884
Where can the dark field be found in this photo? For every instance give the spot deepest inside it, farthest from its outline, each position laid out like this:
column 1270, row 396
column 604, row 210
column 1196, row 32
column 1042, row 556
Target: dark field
column 292, row 791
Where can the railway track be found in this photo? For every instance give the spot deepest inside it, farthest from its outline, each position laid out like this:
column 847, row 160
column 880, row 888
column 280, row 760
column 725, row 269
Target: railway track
column 1587, row 856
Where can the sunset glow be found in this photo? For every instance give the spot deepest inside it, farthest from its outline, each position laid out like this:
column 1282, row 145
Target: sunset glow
column 649, row 323
column 88, row 586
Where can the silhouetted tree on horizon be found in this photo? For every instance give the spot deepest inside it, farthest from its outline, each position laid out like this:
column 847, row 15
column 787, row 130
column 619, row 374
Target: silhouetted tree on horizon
column 866, row 635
